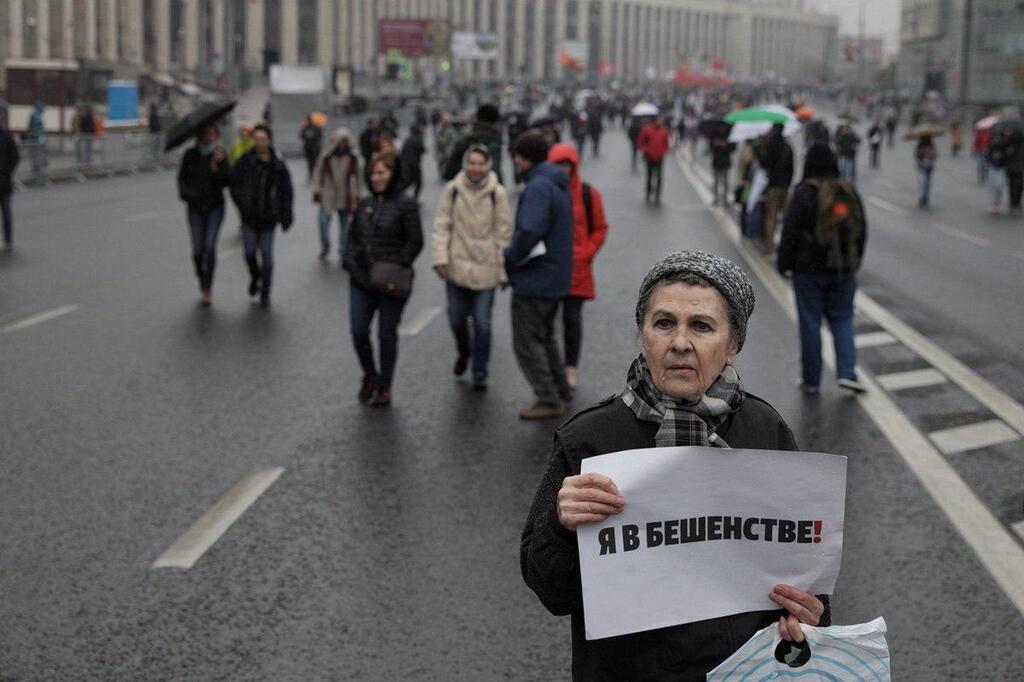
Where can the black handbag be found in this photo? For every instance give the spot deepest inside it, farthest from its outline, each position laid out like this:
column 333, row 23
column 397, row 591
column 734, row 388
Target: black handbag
column 390, row 279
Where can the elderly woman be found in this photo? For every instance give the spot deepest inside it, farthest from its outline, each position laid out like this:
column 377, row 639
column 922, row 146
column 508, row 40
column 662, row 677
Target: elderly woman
column 681, row 390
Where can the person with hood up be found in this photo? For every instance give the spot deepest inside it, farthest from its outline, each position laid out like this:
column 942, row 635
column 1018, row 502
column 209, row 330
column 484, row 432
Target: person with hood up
column 242, row 144
column 653, row 142
column 539, row 266
column 261, row 187
column 336, row 188
column 776, row 158
column 485, row 131
column 202, row 177
column 472, row 227
column 444, row 139
column 412, row 153
column 385, row 234
column 590, row 227
column 9, row 158
column 312, row 138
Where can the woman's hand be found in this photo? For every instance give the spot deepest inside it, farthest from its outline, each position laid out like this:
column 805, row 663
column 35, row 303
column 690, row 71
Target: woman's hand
column 442, row 271
column 803, row 607
column 587, row 498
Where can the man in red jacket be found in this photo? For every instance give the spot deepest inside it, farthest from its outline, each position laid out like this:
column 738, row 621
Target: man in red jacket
column 653, row 142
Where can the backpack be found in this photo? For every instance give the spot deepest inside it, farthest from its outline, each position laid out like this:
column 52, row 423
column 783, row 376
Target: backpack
column 839, row 226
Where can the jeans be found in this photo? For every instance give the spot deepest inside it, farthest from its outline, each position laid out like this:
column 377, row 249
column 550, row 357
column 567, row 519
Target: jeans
column 982, row 169
column 533, row 340
column 254, row 240
column 8, row 218
column 996, row 182
column 325, row 230
column 875, row 148
column 83, row 150
column 654, row 179
column 39, row 155
column 204, row 226
column 595, row 139
column 830, row 295
column 721, row 186
column 464, row 303
column 1016, row 180
column 572, row 328
column 924, row 185
column 362, row 306
column 775, row 200
column 848, row 168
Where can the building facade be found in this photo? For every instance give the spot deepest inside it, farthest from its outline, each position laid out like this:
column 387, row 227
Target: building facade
column 631, row 39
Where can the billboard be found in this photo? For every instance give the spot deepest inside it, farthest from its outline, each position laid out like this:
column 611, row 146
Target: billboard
column 469, row 45
column 921, row 20
column 414, row 37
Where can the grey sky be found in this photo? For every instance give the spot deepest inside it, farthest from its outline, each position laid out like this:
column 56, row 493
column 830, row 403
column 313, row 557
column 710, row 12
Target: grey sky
column 881, row 17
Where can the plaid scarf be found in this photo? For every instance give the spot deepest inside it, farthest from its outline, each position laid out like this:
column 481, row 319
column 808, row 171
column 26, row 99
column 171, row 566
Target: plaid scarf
column 683, row 423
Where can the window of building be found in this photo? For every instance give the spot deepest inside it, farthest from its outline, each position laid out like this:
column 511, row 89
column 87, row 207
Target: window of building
column 595, row 36
column 572, row 14
column 308, row 32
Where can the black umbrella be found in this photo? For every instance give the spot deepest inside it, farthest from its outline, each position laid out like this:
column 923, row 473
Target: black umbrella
column 714, row 127
column 1010, row 127
column 186, row 127
column 542, row 121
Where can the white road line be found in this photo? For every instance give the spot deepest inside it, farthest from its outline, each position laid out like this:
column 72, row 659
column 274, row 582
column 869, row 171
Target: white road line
column 973, row 436
column 214, row 523
column 1002, row 556
column 142, row 217
column 888, row 206
column 872, row 339
column 1019, row 529
column 39, row 317
column 420, row 322
column 960, row 234
column 917, row 378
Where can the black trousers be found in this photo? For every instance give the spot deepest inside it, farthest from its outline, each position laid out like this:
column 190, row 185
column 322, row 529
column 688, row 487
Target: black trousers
column 654, row 179
column 536, row 348
column 1016, row 182
column 572, row 328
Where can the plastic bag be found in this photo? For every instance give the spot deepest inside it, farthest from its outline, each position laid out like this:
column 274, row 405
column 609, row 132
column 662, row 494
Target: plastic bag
column 843, row 652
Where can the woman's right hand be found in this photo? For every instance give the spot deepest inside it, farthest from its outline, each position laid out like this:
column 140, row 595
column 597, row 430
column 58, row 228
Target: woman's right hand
column 587, row 498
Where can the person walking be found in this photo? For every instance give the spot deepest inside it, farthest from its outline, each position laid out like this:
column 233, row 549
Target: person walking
column 924, row 156
column 979, row 150
column 444, row 139
column 847, row 142
column 84, row 127
column 368, row 140
column 1015, row 171
column 202, row 177
column 472, row 228
column 595, row 128
column 653, row 142
column 892, row 118
column 384, row 238
column 822, row 245
column 578, row 128
column 721, row 161
column 336, row 188
column 312, row 141
column 875, row 138
column 261, row 187
column 9, row 159
column 776, row 158
column 485, row 131
column 539, row 265
column 413, row 150
column 636, row 124
column 37, row 139
column 956, row 137
column 590, row 227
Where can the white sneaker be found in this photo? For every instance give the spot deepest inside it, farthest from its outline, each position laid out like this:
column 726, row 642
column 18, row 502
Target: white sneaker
column 852, row 385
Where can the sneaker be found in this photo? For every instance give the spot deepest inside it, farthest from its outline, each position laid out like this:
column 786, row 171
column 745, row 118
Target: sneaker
column 571, row 377
column 461, row 363
column 542, row 411
column 852, row 385
column 808, row 389
column 479, row 384
column 366, row 390
column 206, row 299
column 254, row 286
column 381, row 397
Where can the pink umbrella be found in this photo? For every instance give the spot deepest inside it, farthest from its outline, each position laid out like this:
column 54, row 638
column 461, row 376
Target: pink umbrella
column 987, row 122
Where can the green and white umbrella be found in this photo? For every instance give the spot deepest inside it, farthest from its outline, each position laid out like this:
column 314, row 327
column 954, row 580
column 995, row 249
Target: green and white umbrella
column 755, row 122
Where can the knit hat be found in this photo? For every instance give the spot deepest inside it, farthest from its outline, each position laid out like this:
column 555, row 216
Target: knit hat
column 724, row 275
column 532, row 146
column 488, row 113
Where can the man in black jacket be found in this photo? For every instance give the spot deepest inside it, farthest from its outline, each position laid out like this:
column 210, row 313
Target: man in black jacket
column 776, row 158
column 9, row 158
column 202, row 177
column 485, row 131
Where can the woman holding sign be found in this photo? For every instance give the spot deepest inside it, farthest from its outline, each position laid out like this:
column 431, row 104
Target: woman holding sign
column 682, row 390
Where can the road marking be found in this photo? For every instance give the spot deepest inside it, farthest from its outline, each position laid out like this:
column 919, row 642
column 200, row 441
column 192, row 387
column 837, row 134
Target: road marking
column 888, row 206
column 420, row 322
column 141, row 217
column 1018, row 528
column 988, row 538
column 917, row 378
column 187, row 549
column 872, row 339
column 973, row 436
column 960, row 234
column 39, row 317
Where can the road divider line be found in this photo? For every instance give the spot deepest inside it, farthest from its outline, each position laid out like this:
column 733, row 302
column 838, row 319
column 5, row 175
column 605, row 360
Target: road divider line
column 873, row 339
column 1000, row 554
column 973, row 436
column 960, row 234
column 187, row 549
column 417, row 324
column 889, row 206
column 39, row 317
column 916, row 378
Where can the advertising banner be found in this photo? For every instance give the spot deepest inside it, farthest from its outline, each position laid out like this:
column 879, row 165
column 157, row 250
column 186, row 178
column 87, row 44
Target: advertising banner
column 415, row 37
column 480, row 46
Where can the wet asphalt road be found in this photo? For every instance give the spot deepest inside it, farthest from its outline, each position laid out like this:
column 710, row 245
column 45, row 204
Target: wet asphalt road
column 388, row 549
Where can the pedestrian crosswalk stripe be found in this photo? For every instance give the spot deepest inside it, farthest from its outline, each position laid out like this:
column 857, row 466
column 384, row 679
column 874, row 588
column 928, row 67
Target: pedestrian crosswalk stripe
column 973, row 436
column 418, row 323
column 187, row 549
column 39, row 317
column 917, row 378
column 888, row 206
column 871, row 339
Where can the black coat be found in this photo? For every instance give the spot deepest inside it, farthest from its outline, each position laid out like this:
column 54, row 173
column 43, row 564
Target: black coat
column 487, row 134
column 799, row 250
column 198, row 187
column 9, row 158
column 776, row 157
column 262, row 205
column 721, row 153
column 549, row 557
column 384, row 227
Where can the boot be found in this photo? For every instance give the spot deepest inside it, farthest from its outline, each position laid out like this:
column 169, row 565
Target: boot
column 541, row 410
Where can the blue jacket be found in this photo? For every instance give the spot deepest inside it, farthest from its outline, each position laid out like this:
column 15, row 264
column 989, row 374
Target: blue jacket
column 544, row 214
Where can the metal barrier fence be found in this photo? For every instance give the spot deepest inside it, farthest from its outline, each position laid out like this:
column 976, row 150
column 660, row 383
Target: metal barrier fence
column 82, row 156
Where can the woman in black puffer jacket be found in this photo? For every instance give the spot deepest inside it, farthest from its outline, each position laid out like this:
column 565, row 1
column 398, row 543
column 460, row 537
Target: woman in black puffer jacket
column 386, row 228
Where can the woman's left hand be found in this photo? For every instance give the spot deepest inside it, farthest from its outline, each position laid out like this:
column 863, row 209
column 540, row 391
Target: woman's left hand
column 803, row 607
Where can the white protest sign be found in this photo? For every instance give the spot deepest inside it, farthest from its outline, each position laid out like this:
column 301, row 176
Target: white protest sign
column 707, row 532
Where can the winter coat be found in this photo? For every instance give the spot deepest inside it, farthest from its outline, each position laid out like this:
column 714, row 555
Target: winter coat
column 312, row 139
column 653, row 142
column 744, row 161
column 262, row 191
column 487, row 134
column 925, row 154
column 588, row 235
column 721, row 153
column 201, row 189
column 549, row 557
column 336, row 176
column 799, row 250
column 776, row 158
column 9, row 158
column 412, row 153
column 385, row 227
column 472, row 227
column 368, row 143
column 544, row 214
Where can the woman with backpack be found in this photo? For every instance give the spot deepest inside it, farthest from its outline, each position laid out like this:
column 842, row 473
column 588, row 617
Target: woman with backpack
column 590, row 227
column 472, row 227
column 384, row 238
column 823, row 239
